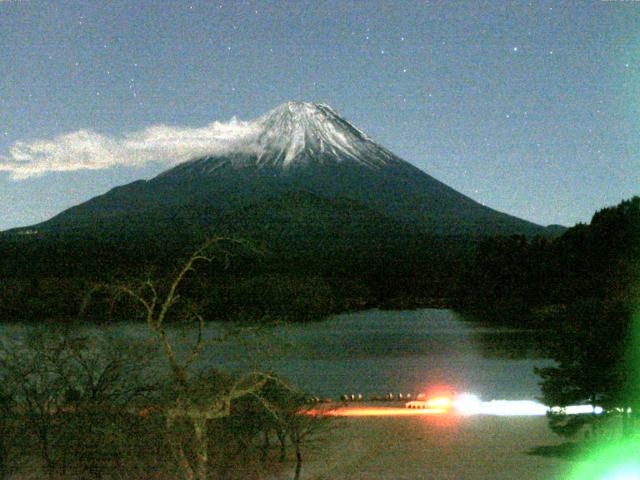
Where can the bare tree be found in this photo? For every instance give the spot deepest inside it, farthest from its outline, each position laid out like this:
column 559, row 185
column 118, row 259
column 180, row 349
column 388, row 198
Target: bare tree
column 195, row 403
column 107, row 384
column 31, row 376
column 287, row 411
column 302, row 423
column 70, row 397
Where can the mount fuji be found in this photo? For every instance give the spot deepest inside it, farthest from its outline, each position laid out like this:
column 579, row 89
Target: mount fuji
column 300, row 170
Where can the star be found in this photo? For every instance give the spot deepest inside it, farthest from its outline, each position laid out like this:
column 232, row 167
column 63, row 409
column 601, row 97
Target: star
column 515, row 49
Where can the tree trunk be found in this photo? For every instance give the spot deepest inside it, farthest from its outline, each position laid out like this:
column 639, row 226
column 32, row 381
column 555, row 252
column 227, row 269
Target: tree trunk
column 91, row 452
column 282, row 438
column 202, row 448
column 298, row 460
column 46, row 453
column 183, row 462
column 3, row 459
column 265, row 446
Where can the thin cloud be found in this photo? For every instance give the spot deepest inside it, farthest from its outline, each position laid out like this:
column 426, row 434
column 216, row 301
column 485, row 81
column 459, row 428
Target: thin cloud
column 89, row 150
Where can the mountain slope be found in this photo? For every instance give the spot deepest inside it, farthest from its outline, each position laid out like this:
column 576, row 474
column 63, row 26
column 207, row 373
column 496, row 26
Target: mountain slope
column 297, row 147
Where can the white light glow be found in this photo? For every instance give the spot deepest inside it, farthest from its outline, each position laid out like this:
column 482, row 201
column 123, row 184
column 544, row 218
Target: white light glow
column 578, row 409
column 513, row 408
column 467, row 404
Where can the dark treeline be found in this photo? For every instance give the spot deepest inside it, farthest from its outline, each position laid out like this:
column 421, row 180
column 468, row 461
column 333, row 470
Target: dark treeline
column 47, row 277
column 513, row 279
column 527, row 280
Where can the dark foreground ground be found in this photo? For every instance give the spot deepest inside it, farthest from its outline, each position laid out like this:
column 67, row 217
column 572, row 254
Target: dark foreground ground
column 433, row 447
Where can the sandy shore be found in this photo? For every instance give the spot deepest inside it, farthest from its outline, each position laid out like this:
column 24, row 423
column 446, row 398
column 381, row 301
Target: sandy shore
column 432, row 447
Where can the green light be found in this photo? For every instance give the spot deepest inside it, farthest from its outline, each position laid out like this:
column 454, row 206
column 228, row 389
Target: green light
column 625, row 473
column 615, row 461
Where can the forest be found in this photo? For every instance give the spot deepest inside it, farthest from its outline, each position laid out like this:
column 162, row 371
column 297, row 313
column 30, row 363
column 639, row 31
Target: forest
column 526, row 280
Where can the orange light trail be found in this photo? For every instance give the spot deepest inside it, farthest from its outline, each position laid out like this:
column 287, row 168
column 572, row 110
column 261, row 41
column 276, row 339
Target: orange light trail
column 440, row 403
column 375, row 412
column 462, row 405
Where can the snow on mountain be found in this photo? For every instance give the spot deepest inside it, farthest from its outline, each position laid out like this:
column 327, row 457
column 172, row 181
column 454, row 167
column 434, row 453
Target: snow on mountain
column 294, row 134
column 298, row 131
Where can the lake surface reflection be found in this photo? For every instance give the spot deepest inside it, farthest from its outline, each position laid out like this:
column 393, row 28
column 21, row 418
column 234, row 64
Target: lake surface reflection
column 373, row 352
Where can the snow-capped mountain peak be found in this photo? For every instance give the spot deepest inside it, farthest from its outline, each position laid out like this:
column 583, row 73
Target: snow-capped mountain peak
column 292, row 135
column 296, row 127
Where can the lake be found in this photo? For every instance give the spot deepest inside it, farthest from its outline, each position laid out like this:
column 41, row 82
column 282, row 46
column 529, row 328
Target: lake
column 374, row 352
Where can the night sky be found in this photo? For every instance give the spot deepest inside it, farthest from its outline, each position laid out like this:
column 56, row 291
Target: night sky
column 531, row 108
